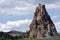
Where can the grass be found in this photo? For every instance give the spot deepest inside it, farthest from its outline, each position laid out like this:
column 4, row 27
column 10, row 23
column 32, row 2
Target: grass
column 51, row 38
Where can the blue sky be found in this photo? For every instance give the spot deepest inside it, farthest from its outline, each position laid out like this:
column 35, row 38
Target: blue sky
column 18, row 14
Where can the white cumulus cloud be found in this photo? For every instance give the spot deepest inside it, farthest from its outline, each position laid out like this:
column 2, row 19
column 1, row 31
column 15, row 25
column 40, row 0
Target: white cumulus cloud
column 56, row 16
column 15, row 7
column 53, row 5
column 20, row 25
column 57, row 24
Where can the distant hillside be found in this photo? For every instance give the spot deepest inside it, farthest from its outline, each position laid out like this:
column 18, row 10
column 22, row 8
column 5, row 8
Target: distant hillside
column 15, row 33
column 4, row 36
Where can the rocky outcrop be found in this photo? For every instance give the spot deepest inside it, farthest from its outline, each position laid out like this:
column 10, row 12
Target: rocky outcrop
column 41, row 25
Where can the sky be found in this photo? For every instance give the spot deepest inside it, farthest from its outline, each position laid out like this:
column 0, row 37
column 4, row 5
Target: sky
column 18, row 14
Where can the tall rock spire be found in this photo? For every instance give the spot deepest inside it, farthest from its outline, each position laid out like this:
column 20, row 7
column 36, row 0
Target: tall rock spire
column 41, row 25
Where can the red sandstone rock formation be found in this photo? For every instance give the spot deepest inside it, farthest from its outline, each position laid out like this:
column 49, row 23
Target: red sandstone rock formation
column 41, row 25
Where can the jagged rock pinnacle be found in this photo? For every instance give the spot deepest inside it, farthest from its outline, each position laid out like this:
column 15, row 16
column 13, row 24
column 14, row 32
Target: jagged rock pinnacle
column 41, row 25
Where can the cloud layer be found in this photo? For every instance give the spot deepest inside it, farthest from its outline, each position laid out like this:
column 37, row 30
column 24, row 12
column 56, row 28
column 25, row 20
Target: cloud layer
column 20, row 25
column 20, row 7
column 15, row 9
column 57, row 26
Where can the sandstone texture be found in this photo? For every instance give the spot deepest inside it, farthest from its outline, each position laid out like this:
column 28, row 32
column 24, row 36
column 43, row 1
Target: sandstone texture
column 42, row 25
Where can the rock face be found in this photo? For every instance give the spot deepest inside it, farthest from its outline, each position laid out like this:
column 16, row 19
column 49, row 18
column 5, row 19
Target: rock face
column 42, row 25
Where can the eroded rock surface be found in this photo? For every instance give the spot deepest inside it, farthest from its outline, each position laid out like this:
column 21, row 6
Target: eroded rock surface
column 41, row 25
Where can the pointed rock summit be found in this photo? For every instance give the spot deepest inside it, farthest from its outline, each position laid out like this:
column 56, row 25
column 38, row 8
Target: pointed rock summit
column 42, row 25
